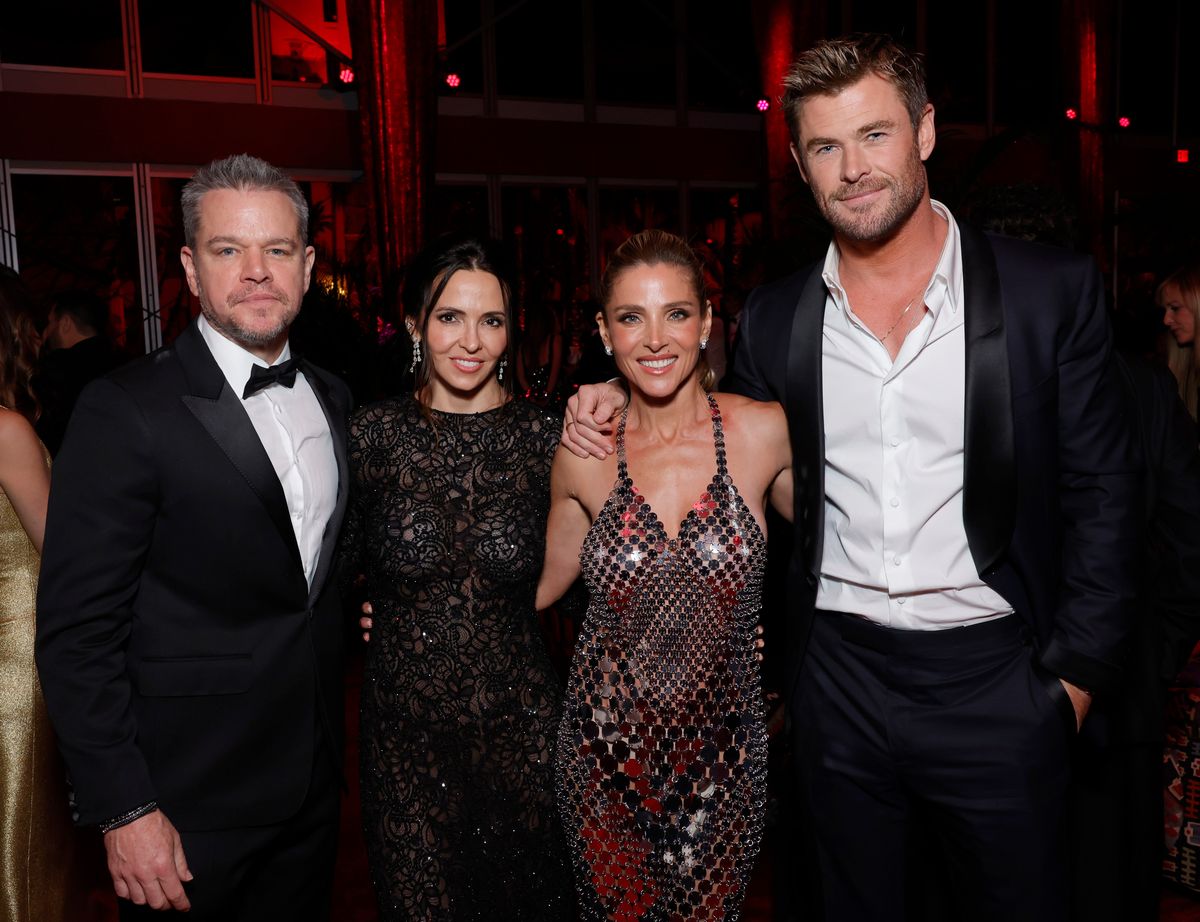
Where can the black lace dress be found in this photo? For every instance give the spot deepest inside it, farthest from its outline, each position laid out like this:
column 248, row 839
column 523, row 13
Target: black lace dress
column 459, row 701
column 663, row 749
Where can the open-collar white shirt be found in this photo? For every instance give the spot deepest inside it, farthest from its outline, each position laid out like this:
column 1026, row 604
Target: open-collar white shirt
column 295, row 434
column 895, row 548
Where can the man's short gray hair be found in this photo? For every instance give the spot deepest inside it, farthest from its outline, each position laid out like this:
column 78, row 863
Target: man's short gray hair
column 241, row 172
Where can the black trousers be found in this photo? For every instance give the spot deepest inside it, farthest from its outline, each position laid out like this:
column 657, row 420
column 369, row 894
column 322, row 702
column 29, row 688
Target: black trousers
column 959, row 731
column 1116, row 828
column 283, row 871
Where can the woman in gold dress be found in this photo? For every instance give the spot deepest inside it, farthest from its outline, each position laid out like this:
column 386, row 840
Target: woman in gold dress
column 37, row 852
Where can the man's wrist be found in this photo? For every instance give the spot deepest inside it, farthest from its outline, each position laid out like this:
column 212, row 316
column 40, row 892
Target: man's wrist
column 128, row 817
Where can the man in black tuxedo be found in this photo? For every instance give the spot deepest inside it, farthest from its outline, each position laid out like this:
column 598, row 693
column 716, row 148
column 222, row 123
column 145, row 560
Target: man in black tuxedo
column 965, row 516
column 189, row 641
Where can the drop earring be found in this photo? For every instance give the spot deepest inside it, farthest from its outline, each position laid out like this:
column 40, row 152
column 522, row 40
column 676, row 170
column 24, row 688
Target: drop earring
column 416, row 358
column 607, row 349
column 703, row 344
column 500, row 370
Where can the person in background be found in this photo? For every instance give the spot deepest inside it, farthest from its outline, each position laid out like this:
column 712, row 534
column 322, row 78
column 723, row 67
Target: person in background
column 75, row 351
column 1179, row 297
column 1116, row 803
column 539, row 356
column 38, row 847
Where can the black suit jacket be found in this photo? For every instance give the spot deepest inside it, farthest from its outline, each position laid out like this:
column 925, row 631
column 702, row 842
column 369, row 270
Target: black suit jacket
column 1168, row 606
column 183, row 656
column 1051, row 478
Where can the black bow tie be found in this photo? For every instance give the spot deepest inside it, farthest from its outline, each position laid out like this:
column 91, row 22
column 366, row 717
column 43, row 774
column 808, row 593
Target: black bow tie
column 260, row 376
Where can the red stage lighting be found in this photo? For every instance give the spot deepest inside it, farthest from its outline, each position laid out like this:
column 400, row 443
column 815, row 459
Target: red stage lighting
column 346, row 73
column 453, row 81
column 1123, row 121
column 559, row 232
column 1181, row 155
column 1072, row 114
column 763, row 104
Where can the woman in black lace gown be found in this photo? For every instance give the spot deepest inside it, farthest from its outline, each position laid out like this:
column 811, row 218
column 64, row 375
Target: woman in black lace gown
column 662, row 748
column 450, row 492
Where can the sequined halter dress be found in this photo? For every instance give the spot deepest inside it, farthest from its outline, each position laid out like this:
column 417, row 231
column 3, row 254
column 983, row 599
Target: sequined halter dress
column 662, row 748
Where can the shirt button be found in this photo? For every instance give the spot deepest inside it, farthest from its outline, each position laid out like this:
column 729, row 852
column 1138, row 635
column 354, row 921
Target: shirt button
column 895, row 501
column 896, row 561
column 901, row 601
column 895, row 442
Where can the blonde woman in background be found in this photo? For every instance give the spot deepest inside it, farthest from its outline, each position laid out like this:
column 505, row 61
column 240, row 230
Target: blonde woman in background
column 1179, row 298
column 37, row 866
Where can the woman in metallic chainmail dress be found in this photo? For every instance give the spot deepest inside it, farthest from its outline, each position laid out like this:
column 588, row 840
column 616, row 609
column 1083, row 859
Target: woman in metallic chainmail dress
column 662, row 748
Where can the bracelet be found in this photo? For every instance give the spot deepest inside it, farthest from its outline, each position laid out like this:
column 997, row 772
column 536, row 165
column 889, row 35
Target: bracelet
column 126, row 818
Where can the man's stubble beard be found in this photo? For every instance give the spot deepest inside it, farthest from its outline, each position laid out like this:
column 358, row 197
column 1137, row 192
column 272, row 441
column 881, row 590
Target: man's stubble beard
column 239, row 334
column 908, row 191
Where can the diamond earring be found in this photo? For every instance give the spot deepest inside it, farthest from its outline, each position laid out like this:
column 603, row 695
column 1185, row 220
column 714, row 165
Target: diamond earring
column 703, row 344
column 500, row 370
column 607, row 349
column 416, row 359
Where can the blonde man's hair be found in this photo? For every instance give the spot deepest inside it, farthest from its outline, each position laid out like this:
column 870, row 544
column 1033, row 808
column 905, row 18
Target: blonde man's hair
column 833, row 64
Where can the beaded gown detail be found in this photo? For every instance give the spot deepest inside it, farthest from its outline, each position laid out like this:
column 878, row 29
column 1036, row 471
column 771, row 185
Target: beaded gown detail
column 459, row 699
column 662, row 746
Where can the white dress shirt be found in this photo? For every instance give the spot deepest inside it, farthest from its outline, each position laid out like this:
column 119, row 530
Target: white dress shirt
column 895, row 547
column 295, row 433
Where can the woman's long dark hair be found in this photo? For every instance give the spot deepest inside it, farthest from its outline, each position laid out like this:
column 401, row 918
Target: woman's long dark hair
column 427, row 278
column 19, row 342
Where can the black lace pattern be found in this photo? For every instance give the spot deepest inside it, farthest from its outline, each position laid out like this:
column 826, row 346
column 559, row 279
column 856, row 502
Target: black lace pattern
column 459, row 701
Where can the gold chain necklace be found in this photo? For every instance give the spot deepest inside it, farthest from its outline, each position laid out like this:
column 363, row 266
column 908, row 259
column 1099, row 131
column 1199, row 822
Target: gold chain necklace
column 907, row 308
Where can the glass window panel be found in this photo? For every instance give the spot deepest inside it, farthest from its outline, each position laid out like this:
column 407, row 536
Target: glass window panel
column 1189, row 76
column 464, row 48
column 624, row 212
column 295, row 57
column 635, row 51
column 1148, row 64
column 539, row 49
column 217, row 41
column 956, row 60
column 459, row 210
column 176, row 303
column 897, row 19
column 79, row 232
column 722, row 58
column 1027, row 31
column 547, row 229
column 60, row 33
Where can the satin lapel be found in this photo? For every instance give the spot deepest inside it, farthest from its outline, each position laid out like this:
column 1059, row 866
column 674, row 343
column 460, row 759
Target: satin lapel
column 989, row 478
column 806, row 417
column 222, row 415
column 335, row 415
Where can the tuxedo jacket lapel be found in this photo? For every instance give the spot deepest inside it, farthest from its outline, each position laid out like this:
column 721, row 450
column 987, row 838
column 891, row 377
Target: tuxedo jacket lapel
column 221, row 413
column 335, row 414
column 989, row 478
column 806, row 418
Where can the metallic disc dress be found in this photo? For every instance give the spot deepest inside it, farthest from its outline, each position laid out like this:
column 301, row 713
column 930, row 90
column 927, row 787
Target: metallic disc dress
column 662, row 748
